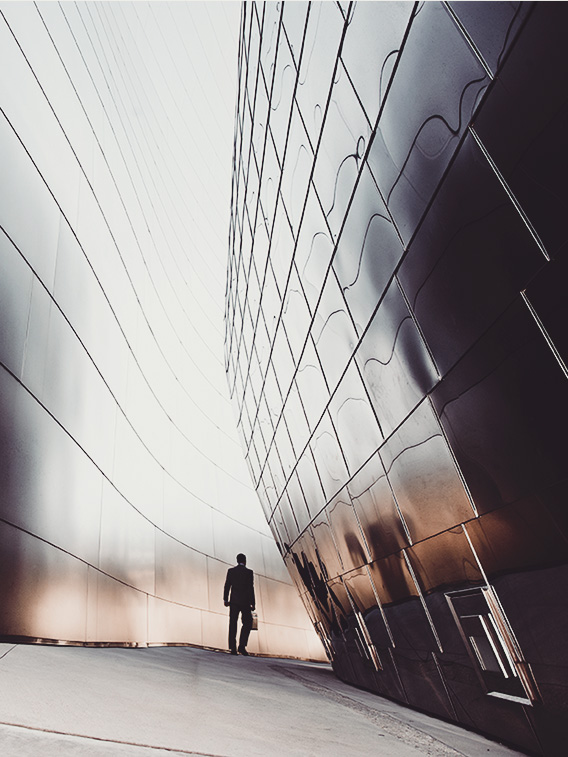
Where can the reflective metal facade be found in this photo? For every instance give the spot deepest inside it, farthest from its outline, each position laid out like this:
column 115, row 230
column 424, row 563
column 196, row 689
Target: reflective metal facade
column 124, row 495
column 396, row 342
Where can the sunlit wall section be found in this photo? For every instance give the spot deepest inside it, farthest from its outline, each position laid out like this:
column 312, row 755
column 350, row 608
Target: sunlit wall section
column 124, row 493
column 396, row 347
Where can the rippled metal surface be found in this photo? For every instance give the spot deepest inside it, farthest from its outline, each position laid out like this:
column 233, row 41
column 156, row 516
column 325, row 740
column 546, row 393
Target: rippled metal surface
column 411, row 238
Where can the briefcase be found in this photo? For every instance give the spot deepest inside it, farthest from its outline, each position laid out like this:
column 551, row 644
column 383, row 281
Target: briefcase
column 254, row 626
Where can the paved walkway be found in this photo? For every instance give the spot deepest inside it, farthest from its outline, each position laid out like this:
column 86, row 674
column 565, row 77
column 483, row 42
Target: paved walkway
column 170, row 701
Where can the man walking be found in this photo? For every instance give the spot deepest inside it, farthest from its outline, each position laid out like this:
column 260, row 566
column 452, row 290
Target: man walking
column 238, row 595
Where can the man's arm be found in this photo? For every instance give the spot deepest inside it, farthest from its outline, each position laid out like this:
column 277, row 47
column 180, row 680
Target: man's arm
column 252, row 602
column 227, row 588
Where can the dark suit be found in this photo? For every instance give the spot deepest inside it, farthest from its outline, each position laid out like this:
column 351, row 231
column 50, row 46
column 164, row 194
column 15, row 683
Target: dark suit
column 239, row 592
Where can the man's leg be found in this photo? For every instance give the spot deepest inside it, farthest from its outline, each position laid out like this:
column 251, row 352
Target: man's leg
column 233, row 617
column 246, row 617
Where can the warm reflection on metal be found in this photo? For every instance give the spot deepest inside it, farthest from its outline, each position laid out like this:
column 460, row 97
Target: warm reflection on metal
column 124, row 495
column 396, row 342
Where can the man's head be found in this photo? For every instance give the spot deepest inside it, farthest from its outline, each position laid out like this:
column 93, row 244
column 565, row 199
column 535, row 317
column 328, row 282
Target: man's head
column 241, row 559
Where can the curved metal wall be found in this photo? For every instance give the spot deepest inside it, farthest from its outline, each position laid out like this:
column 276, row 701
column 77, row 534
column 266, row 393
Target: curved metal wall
column 124, row 493
column 396, row 346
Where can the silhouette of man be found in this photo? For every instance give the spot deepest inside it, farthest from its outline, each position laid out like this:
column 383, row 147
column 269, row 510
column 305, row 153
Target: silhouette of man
column 238, row 595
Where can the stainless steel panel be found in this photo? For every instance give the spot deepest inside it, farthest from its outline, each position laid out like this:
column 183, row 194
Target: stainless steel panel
column 143, row 410
column 427, row 109
column 458, row 364
column 282, row 360
column 370, row 57
column 282, row 603
column 328, row 457
column 23, row 192
column 281, row 245
column 127, row 542
column 339, row 607
column 278, row 528
column 43, row 589
column 276, row 471
column 66, row 507
column 310, row 483
column 75, row 287
column 282, row 95
column 121, row 611
column 293, row 494
column 16, row 280
column 33, row 369
column 545, row 295
column 444, row 562
column 181, row 572
column 296, row 420
column 311, row 385
column 424, row 477
column 524, row 134
column 132, row 383
column 216, row 575
column 394, row 361
column 54, row 18
column 232, row 537
column 137, row 476
column 62, row 507
column 296, row 315
column 267, row 491
column 518, row 537
column 473, row 240
column 266, row 427
column 491, row 28
column 507, row 437
column 393, row 580
column 253, row 463
column 297, row 170
column 361, row 590
column 261, row 246
column 274, row 567
column 285, row 449
column 20, row 441
column 25, row 106
column 270, row 180
column 353, row 418
column 347, row 533
column 69, row 374
column 182, row 625
column 294, row 18
column 27, row 26
column 197, row 530
column 344, row 139
column 367, row 252
column 269, row 18
column 328, row 556
column 271, row 302
column 323, row 35
column 314, row 250
column 376, row 510
column 333, row 332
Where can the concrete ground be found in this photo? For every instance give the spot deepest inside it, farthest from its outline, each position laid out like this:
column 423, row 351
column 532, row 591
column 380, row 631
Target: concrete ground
column 76, row 701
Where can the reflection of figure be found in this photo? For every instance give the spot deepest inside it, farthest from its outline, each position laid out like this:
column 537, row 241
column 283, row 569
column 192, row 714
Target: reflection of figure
column 332, row 614
column 238, row 594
